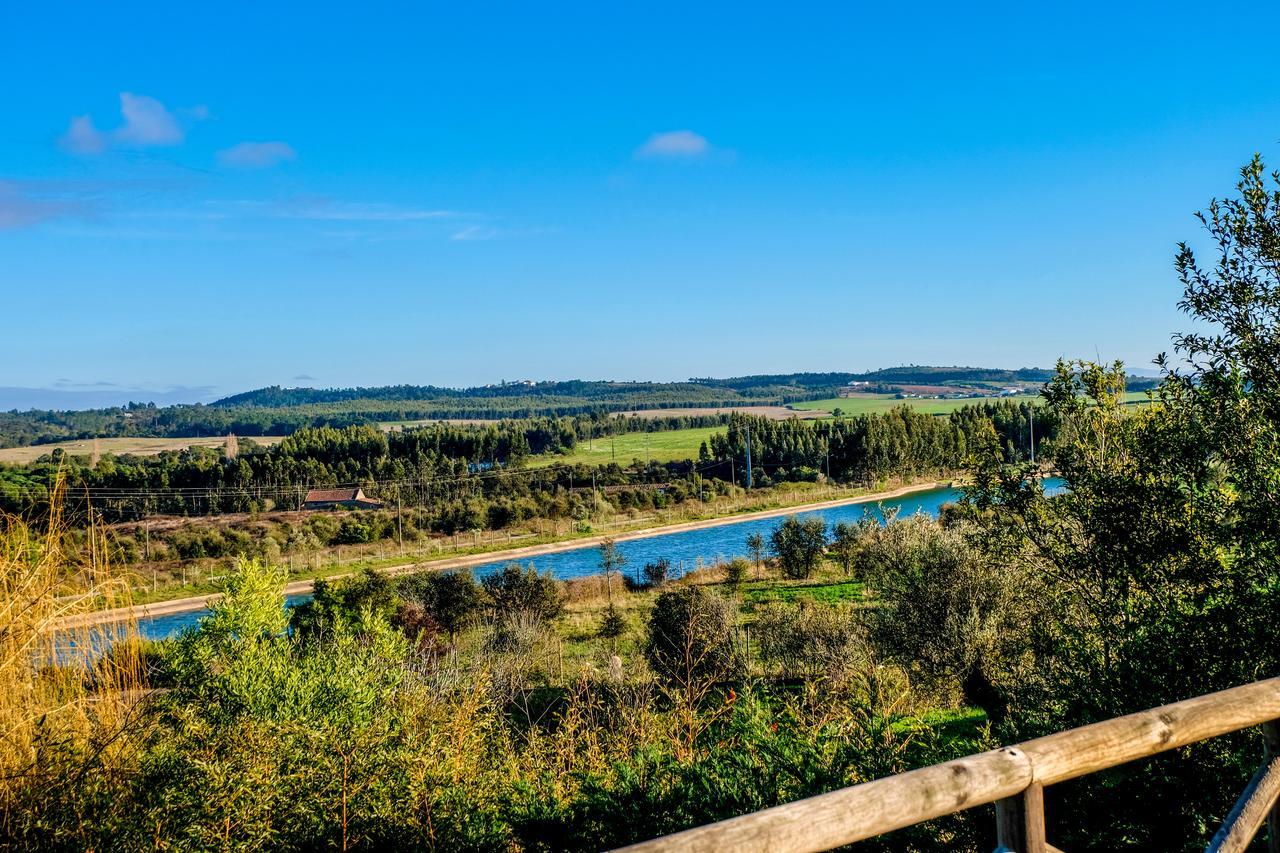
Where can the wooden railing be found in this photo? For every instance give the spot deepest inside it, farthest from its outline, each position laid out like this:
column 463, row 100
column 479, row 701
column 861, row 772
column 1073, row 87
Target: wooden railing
column 1014, row 778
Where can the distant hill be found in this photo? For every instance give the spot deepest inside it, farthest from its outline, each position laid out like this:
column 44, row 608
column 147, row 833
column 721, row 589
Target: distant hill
column 922, row 375
column 279, row 411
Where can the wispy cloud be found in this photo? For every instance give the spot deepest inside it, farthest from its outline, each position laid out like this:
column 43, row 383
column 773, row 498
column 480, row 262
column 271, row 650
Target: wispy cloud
column 674, row 145
column 474, row 232
column 83, row 138
column 338, row 211
column 256, row 155
column 25, row 203
column 145, row 122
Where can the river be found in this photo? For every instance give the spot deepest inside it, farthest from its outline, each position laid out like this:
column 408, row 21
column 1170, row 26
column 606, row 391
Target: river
column 684, row 549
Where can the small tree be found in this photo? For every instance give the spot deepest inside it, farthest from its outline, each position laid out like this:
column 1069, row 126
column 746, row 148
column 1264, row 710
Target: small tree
column 735, row 571
column 657, row 572
column 612, row 625
column 755, row 546
column 799, row 545
column 451, row 599
column 691, row 639
column 610, row 561
column 518, row 589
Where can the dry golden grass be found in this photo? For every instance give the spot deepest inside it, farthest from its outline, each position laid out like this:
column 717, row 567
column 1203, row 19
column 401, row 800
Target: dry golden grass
column 119, row 446
column 54, row 682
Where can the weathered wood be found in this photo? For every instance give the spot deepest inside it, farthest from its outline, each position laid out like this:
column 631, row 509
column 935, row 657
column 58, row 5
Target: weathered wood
column 863, row 811
column 1088, row 749
column 1255, row 805
column 1271, row 747
column 1020, row 822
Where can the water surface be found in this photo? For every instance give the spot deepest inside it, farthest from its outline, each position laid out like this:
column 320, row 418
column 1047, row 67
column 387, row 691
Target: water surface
column 685, row 549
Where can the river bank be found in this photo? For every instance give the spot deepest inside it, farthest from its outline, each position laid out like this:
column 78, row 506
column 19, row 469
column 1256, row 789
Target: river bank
column 190, row 604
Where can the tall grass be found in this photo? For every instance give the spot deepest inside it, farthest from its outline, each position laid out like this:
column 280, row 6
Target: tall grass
column 64, row 702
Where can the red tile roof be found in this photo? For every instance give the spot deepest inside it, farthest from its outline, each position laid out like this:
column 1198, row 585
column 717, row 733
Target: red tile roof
column 333, row 495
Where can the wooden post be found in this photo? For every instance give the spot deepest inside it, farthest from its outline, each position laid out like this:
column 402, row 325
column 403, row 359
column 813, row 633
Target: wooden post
column 1258, row 805
column 1020, row 822
column 1271, row 746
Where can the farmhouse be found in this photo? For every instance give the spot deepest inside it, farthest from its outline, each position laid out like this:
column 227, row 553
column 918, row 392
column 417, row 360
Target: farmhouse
column 334, row 498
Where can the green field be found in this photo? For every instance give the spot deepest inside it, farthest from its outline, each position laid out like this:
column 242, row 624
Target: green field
column 666, row 446
column 874, row 403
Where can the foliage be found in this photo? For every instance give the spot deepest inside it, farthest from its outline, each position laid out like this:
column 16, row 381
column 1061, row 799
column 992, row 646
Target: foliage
column 812, row 640
column 517, row 589
column 452, row 599
column 1158, row 570
column 952, row 618
column 799, row 545
column 657, row 573
column 735, row 571
column 691, row 638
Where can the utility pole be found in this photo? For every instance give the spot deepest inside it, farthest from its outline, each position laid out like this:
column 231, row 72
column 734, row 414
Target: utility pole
column 1032, row 410
column 748, row 457
column 399, row 525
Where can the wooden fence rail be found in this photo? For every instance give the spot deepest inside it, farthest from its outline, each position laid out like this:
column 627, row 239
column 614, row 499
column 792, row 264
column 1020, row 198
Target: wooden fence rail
column 1015, row 778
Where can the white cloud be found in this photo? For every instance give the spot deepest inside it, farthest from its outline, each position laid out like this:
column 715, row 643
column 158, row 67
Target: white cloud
column 145, row 122
column 674, row 145
column 256, row 155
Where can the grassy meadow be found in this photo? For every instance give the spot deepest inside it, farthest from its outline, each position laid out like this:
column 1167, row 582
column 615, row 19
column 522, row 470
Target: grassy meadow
column 666, row 446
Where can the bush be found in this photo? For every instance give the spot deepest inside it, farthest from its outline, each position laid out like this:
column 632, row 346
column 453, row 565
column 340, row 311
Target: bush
column 523, row 590
column 950, row 616
column 613, row 625
column 736, row 570
column 452, row 600
column 811, row 639
column 345, row 601
column 657, row 573
column 692, row 638
column 353, row 532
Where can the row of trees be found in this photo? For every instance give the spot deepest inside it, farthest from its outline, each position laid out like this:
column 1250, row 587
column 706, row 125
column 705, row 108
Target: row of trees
column 903, row 443
column 446, row 465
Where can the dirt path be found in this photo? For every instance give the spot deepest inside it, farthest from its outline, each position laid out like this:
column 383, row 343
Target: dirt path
column 199, row 602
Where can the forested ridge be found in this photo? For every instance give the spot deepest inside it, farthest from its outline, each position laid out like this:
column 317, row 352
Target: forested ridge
column 281, row 411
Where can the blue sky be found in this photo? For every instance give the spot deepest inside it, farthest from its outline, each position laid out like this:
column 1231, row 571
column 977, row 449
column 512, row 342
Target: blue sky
column 210, row 199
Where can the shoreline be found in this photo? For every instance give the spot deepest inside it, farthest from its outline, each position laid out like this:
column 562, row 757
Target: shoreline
column 200, row 602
